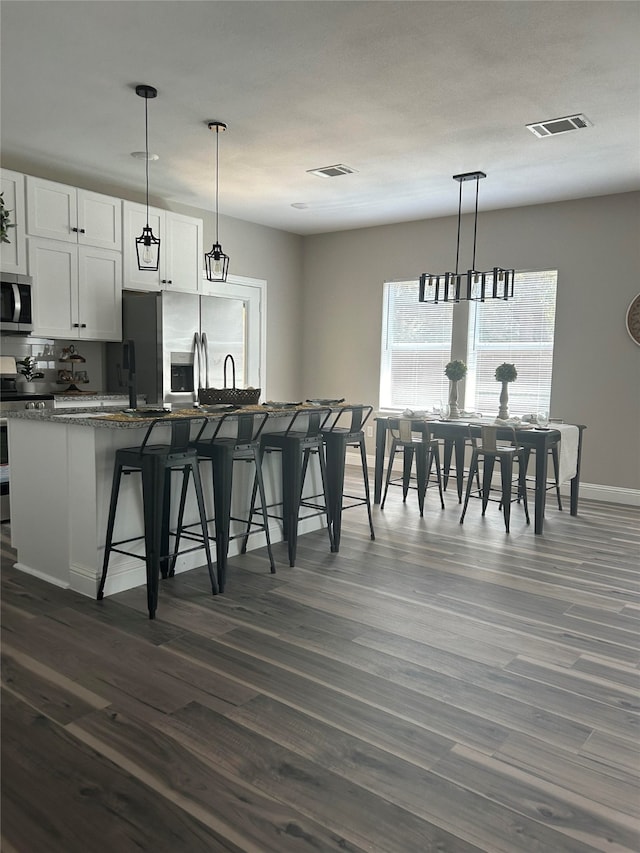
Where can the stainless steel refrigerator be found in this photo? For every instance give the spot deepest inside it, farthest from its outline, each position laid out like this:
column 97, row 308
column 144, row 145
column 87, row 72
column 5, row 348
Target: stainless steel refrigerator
column 180, row 343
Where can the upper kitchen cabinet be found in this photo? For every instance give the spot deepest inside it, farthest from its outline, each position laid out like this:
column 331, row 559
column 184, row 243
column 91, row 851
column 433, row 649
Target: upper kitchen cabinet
column 59, row 212
column 13, row 257
column 78, row 292
column 181, row 249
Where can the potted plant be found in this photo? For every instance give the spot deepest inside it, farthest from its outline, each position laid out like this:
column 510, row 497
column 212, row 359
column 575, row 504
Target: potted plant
column 505, row 373
column 5, row 224
column 28, row 370
column 454, row 371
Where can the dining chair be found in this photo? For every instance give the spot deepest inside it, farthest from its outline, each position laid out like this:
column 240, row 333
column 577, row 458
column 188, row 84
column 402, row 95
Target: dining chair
column 489, row 449
column 413, row 438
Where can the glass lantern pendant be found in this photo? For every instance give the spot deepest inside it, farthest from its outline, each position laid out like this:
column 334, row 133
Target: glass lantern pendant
column 147, row 244
column 216, row 262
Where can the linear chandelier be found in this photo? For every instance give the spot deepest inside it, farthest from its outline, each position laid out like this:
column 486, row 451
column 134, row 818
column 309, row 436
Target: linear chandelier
column 216, row 262
column 474, row 285
column 147, row 245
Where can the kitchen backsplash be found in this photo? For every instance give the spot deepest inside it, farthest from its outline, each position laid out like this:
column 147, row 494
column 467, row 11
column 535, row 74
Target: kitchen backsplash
column 48, row 353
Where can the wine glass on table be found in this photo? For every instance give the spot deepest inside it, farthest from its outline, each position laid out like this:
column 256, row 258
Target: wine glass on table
column 542, row 419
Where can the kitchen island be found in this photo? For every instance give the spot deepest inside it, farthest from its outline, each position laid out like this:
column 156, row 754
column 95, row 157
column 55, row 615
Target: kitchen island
column 62, row 467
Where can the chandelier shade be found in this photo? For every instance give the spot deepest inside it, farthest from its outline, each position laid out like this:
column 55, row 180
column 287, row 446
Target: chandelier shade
column 473, row 285
column 147, row 244
column 216, row 262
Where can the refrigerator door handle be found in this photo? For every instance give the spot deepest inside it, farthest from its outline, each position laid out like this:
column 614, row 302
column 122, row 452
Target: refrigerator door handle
column 205, row 359
column 196, row 365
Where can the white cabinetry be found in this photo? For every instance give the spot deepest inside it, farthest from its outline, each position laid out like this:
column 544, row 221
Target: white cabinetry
column 58, row 212
column 14, row 253
column 77, row 292
column 181, row 249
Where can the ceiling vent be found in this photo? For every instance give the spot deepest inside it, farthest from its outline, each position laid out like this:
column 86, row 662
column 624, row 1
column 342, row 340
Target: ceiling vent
column 554, row 126
column 332, row 171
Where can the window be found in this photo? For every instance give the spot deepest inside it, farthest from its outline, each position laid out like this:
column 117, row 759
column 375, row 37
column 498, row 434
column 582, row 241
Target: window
column 416, row 345
column 520, row 332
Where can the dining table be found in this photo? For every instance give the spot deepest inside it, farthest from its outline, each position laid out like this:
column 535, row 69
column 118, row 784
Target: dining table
column 455, row 435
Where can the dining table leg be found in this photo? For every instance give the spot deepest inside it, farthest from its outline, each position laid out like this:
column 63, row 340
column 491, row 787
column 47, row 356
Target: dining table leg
column 378, row 472
column 540, row 488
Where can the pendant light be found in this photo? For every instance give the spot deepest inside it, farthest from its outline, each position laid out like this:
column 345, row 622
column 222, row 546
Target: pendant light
column 472, row 286
column 216, row 262
column 147, row 245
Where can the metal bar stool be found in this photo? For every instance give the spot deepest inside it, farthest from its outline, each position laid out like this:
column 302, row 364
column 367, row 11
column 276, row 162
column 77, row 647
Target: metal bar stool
column 295, row 447
column 155, row 463
column 490, row 451
column 223, row 450
column 413, row 438
column 338, row 437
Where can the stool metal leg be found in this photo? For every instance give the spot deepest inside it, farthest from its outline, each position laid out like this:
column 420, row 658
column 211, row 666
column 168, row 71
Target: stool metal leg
column 392, row 454
column 365, row 475
column 113, row 503
column 473, row 471
column 506, row 474
column 434, row 458
column 259, row 482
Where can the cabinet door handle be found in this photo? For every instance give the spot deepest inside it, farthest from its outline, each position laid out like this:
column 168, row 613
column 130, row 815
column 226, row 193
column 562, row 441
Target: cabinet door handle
column 82, row 231
column 75, row 229
column 83, row 325
column 76, row 325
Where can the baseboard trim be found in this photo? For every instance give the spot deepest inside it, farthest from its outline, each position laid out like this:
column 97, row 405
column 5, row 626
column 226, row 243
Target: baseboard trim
column 588, row 491
column 42, row 575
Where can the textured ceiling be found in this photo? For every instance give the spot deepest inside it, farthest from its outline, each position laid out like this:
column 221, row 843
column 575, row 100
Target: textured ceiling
column 406, row 93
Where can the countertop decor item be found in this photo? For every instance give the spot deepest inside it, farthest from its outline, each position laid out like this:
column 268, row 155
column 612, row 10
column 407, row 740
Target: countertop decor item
column 216, row 262
column 70, row 356
column 147, row 244
column 454, row 371
column 472, row 286
column 28, row 369
column 505, row 373
column 236, row 396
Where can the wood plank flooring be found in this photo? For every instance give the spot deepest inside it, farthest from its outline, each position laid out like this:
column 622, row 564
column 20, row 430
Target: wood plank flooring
column 444, row 688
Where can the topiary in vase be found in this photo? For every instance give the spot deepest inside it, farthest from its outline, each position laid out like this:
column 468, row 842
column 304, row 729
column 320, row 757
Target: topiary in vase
column 454, row 371
column 505, row 373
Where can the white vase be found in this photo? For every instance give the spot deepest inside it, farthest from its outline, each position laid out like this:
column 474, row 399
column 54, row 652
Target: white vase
column 453, row 399
column 27, row 387
column 503, row 411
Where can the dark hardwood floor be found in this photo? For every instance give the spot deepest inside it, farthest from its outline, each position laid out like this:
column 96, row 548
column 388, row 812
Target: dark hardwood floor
column 444, row 688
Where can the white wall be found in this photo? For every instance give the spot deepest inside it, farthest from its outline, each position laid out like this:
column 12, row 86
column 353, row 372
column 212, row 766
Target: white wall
column 594, row 245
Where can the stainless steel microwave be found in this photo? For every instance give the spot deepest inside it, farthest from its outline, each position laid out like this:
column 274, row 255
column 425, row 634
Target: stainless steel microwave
column 16, row 315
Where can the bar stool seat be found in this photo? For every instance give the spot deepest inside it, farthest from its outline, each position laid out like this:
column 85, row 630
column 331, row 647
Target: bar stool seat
column 346, row 430
column 490, row 451
column 155, row 463
column 413, row 438
column 296, row 446
column 223, row 451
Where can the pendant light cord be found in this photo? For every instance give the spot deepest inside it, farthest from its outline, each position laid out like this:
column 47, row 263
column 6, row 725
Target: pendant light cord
column 475, row 224
column 217, row 175
column 459, row 215
column 146, row 145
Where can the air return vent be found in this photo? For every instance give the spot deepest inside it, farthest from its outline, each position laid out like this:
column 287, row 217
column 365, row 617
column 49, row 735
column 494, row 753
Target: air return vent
column 332, row 171
column 554, row 126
